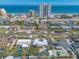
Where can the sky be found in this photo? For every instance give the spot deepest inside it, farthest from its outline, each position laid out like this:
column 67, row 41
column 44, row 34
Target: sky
column 37, row 2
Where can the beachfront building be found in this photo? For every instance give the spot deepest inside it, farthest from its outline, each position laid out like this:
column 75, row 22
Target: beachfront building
column 45, row 10
column 32, row 13
column 3, row 13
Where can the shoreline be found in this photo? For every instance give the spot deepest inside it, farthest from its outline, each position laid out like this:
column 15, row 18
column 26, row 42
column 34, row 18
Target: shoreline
column 51, row 13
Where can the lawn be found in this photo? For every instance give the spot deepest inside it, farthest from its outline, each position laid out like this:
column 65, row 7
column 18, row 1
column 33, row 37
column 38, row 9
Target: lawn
column 34, row 51
column 57, row 38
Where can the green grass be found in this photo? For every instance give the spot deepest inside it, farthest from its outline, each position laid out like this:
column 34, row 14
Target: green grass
column 34, row 51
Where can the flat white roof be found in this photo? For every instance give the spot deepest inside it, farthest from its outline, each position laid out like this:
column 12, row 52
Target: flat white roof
column 4, row 26
column 66, row 26
column 50, row 52
column 9, row 57
column 40, row 42
column 24, row 42
column 25, row 45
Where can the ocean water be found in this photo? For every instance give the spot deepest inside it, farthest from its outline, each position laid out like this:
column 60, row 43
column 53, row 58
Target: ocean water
column 26, row 8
